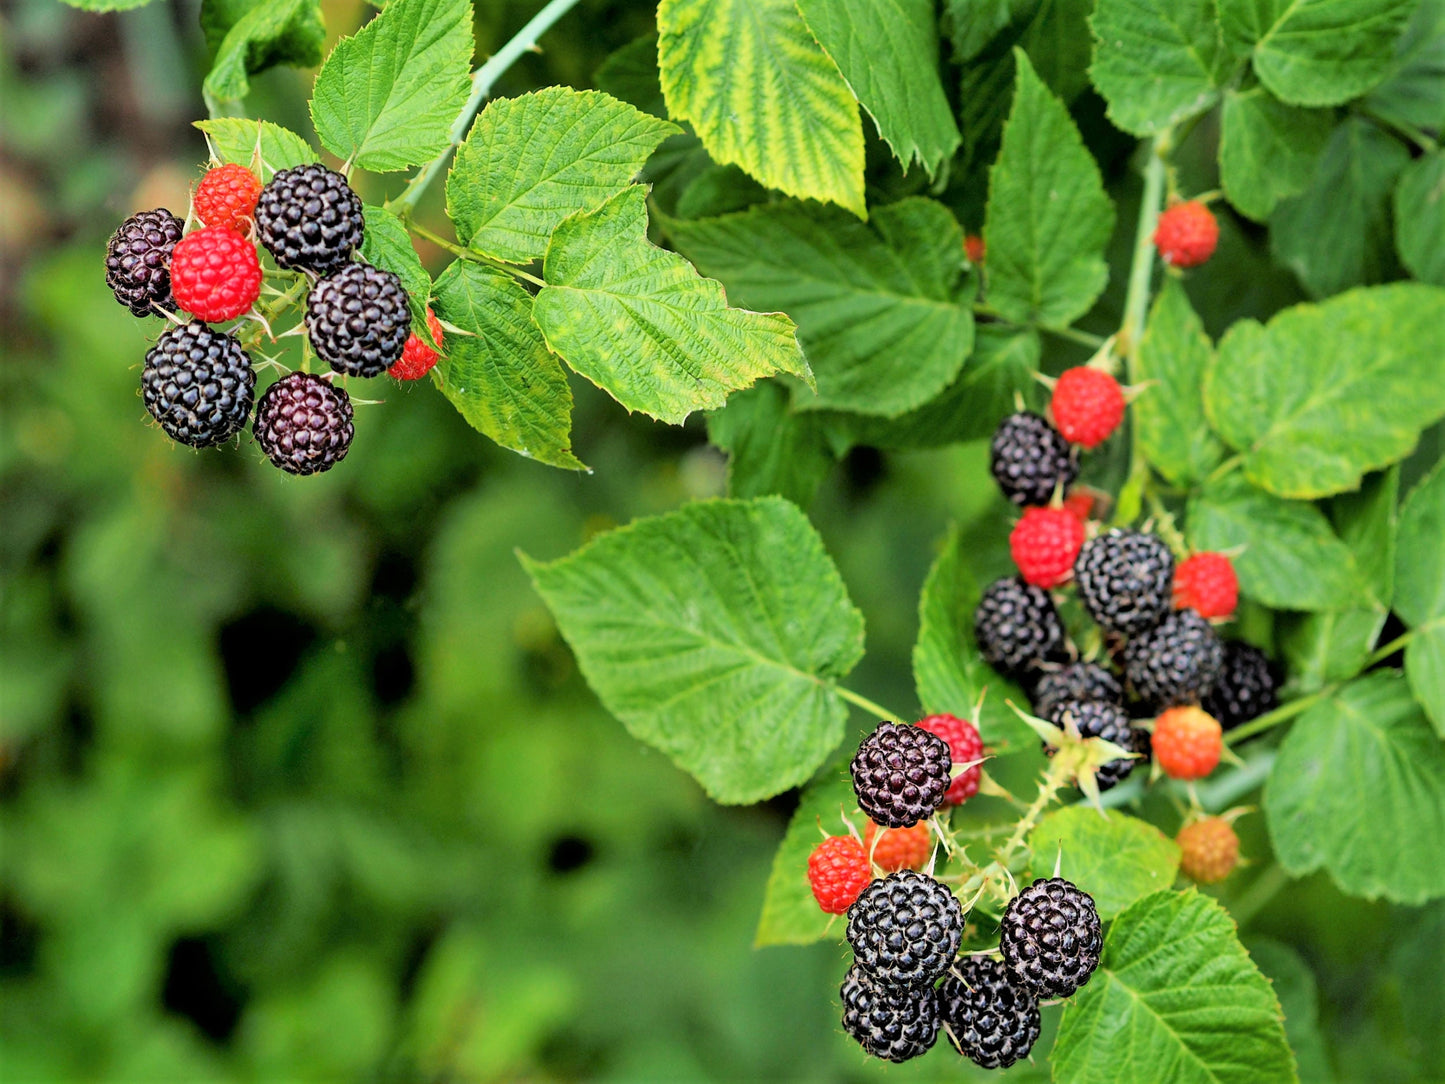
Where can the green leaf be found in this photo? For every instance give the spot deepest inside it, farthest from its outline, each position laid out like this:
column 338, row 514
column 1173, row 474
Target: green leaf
column 1294, row 985
column 948, row 671
column 879, row 307
column 1364, row 757
column 1420, row 218
column 107, row 5
column 1113, row 857
column 1326, row 393
column 1059, row 45
column 247, row 36
column 1048, row 216
column 887, row 51
column 762, row 94
column 715, row 634
column 388, row 246
column 972, row 24
column 642, row 325
column 791, row 916
column 630, row 73
column 1169, row 423
column 1317, row 52
column 1004, row 362
column 233, row 139
column 1267, row 149
column 719, row 190
column 1327, row 646
column 387, row 98
column 1157, row 62
column 1366, row 522
column 1175, row 998
column 1337, row 233
column 1291, row 559
column 501, row 377
column 1414, row 92
column 532, row 161
column 771, row 448
column 1420, row 591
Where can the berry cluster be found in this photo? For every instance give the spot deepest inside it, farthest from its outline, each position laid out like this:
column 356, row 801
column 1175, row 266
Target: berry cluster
column 198, row 381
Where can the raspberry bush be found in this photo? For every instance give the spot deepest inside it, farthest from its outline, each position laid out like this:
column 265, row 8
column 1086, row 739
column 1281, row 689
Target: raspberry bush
column 1157, row 288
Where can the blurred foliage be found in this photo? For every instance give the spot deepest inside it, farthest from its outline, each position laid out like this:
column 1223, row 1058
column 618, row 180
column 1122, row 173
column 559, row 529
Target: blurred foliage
column 298, row 781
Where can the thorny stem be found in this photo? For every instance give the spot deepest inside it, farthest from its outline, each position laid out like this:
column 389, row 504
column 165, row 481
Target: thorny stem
column 867, row 705
column 483, row 79
column 1048, row 789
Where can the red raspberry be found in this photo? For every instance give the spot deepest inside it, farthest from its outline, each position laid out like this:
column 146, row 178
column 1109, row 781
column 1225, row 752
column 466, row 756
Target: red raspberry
column 838, row 871
column 417, row 358
column 1187, row 742
column 1044, row 543
column 1187, row 234
column 1088, row 406
column 1206, row 582
column 964, row 747
column 215, row 274
column 898, row 848
column 1080, row 503
column 227, row 197
column 973, row 247
column 1209, row 850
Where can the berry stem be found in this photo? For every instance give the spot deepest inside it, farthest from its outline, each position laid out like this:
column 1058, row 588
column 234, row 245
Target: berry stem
column 1136, row 312
column 483, row 79
column 1279, row 715
column 1072, row 334
column 867, row 705
column 468, row 254
column 1049, row 785
column 1380, row 654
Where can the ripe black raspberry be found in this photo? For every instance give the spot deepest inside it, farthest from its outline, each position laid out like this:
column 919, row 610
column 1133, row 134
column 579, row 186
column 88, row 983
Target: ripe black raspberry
column 888, row 1022
column 199, row 384
column 1176, row 662
column 303, row 424
column 1125, row 579
column 1077, row 681
column 991, row 1019
column 357, row 319
column 309, row 219
column 1030, row 460
column 1050, row 937
column 900, row 774
column 1017, row 627
column 138, row 260
column 905, row 929
column 1245, row 687
column 1097, row 719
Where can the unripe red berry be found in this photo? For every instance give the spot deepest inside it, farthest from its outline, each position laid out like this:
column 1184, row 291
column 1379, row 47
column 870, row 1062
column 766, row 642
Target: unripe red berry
column 1209, row 850
column 837, row 872
column 898, row 848
column 215, row 274
column 1187, row 742
column 1044, row 544
column 1087, row 405
column 1186, row 235
column 417, row 358
column 973, row 247
column 227, row 197
column 964, row 747
column 1206, row 582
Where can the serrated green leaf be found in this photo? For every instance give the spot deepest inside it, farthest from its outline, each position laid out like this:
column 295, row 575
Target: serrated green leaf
column 387, row 98
column 1059, row 45
column 1420, row 591
column 1157, row 62
column 1003, row 366
column 532, row 161
column 1414, row 91
column 107, row 5
column 1267, row 149
column 1175, row 998
column 1294, row 985
column 1420, row 218
column 715, row 634
column 388, row 246
column 1317, row 52
column 1326, row 393
column 642, row 325
column 630, row 73
column 762, row 94
column 771, row 448
column 948, row 671
column 791, row 916
column 879, row 309
column 233, row 139
column 501, row 377
column 247, row 36
column 1366, row 522
column 1336, row 233
column 1365, row 756
column 719, row 190
column 887, row 51
column 972, row 24
column 1169, row 422
column 1048, row 216
column 1113, row 857
column 1328, row 645
column 1291, row 558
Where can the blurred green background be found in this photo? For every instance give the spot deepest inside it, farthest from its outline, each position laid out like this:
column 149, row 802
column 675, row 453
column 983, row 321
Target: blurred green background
column 298, row 782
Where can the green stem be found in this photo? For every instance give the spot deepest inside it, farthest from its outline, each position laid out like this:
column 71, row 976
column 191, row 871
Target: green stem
column 1281, row 714
column 1136, row 311
column 469, row 254
column 1380, row 654
column 867, row 705
column 1073, row 334
column 483, row 79
column 1407, row 131
column 1048, row 787
column 1264, row 888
